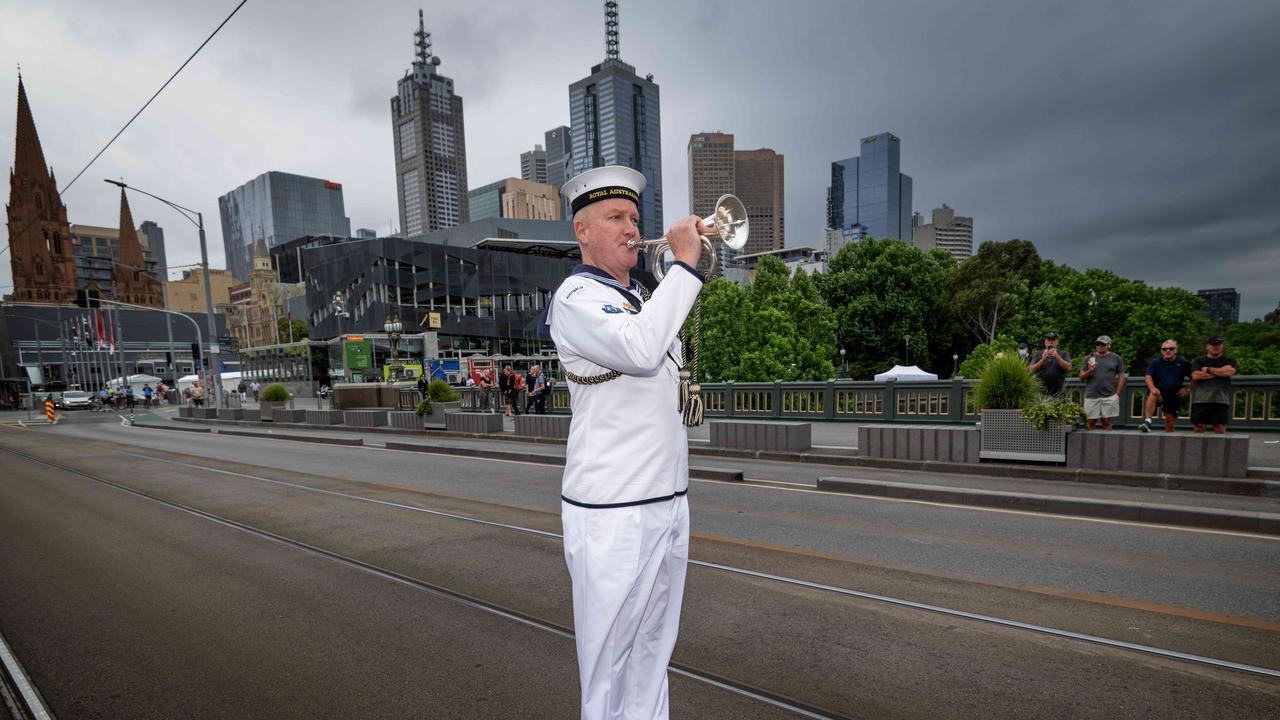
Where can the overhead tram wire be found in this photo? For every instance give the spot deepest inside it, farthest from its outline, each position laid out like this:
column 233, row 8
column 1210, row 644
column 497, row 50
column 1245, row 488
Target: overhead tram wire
column 135, row 115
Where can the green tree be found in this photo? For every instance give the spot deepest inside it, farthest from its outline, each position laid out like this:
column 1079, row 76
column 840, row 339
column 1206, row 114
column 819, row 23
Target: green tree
column 882, row 291
column 282, row 330
column 975, row 363
column 993, row 286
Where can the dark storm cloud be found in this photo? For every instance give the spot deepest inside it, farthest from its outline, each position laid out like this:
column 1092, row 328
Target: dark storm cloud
column 1138, row 137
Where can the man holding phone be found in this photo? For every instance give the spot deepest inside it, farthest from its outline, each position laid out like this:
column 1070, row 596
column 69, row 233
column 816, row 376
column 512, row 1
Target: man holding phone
column 1051, row 365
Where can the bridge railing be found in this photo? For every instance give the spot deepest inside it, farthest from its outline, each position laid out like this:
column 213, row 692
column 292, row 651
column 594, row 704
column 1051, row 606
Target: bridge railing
column 1256, row 401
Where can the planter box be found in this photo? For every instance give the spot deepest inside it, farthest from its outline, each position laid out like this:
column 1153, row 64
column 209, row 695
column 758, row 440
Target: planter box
column 772, row 436
column 405, row 419
column 438, row 410
column 949, row 444
column 547, row 426
column 1006, row 435
column 266, row 408
column 473, row 422
column 324, row 417
column 365, row 418
column 285, row 415
column 230, row 414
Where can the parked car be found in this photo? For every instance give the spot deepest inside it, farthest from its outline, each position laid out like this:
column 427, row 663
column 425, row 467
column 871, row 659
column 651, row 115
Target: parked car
column 75, row 400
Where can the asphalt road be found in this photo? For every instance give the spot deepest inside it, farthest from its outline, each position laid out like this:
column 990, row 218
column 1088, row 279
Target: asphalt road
column 121, row 607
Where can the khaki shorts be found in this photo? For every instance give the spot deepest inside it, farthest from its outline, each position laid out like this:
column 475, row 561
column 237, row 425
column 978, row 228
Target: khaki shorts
column 1103, row 407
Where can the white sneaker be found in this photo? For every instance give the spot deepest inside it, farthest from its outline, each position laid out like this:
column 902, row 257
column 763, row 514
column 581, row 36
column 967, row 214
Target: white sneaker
column 1145, row 426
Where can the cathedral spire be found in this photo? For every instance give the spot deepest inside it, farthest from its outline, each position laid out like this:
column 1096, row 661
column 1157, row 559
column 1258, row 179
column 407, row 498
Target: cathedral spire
column 28, row 156
column 133, row 284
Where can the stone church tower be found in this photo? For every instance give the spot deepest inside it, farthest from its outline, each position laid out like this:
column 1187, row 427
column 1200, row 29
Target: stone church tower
column 40, row 253
column 133, row 283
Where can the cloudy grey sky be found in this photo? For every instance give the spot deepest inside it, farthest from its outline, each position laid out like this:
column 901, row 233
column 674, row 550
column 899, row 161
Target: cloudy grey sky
column 1140, row 137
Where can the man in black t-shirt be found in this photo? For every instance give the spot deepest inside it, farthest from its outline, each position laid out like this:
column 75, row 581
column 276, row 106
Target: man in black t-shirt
column 1051, row 365
column 1211, row 402
column 1165, row 378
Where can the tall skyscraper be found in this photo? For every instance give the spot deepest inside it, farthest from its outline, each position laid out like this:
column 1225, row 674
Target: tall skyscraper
column 533, row 165
column 710, row 170
column 40, row 252
column 947, row 231
column 615, row 114
column 757, row 179
column 559, row 144
column 869, row 195
column 280, row 207
column 152, row 237
column 431, row 148
column 1223, row 305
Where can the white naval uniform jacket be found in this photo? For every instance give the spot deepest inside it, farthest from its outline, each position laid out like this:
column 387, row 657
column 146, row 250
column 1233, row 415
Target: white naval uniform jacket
column 627, row 442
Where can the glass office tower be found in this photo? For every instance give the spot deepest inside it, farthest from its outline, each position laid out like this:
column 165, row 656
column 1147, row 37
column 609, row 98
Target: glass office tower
column 278, row 207
column 868, row 194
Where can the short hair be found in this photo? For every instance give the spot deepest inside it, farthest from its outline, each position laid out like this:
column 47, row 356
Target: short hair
column 1171, row 340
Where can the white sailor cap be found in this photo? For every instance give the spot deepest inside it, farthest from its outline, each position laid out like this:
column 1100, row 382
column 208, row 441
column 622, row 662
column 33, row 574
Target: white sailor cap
column 604, row 183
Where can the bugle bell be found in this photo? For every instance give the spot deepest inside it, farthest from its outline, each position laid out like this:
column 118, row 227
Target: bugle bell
column 728, row 224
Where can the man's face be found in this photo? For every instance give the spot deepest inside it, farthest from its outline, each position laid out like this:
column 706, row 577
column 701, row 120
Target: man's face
column 1102, row 348
column 1168, row 352
column 1214, row 350
column 603, row 232
column 1050, row 343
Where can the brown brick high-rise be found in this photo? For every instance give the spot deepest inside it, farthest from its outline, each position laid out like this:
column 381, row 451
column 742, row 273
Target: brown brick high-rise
column 44, row 266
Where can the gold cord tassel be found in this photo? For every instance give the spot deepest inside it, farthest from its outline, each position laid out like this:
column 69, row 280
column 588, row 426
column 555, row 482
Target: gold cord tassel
column 693, row 409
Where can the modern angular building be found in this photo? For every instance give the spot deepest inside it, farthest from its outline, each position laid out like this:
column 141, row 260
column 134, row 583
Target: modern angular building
column 559, row 145
column 1223, row 305
column 615, row 115
column 278, row 207
column 948, row 231
column 430, row 145
column 98, row 248
column 869, row 195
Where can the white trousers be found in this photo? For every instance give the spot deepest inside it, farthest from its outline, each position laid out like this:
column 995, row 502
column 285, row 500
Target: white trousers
column 628, row 568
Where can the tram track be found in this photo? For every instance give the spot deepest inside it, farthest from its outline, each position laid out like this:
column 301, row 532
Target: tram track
column 780, row 701
column 1196, row 659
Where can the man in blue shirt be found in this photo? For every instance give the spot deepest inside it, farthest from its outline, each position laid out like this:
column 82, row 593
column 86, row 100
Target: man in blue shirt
column 1165, row 377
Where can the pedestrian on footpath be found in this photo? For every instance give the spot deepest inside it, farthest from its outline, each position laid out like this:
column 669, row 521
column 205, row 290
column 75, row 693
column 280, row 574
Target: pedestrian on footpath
column 146, row 395
column 128, row 396
column 255, row 388
column 1212, row 373
column 1166, row 376
column 537, row 384
column 1103, row 373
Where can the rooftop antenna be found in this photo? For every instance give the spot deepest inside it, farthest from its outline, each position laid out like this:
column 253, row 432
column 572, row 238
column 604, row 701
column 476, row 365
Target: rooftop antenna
column 611, row 29
column 423, row 45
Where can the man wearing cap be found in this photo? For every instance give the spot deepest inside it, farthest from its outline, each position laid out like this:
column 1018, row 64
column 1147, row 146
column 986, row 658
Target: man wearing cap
column 1103, row 375
column 1211, row 401
column 623, row 497
column 1051, row 365
column 1166, row 376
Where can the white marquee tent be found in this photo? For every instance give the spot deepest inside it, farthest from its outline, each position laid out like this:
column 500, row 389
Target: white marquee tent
column 905, row 372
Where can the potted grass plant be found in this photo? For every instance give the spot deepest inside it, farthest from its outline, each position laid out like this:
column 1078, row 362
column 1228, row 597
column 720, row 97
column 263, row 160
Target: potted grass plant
column 1016, row 423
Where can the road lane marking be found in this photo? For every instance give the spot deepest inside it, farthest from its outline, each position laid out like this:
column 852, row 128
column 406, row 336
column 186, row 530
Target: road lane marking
column 31, row 697
column 807, row 488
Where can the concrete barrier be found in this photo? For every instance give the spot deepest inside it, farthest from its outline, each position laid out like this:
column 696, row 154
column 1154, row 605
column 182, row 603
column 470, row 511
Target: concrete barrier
column 324, row 417
column 250, row 414
column 365, row 418
column 230, row 414
column 206, row 413
column 184, row 411
column 1202, row 454
column 547, row 426
column 405, row 419
column 286, row 415
column 920, row 442
column 775, row 436
column 473, row 422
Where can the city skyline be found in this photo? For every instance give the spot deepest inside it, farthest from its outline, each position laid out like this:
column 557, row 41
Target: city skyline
column 1094, row 156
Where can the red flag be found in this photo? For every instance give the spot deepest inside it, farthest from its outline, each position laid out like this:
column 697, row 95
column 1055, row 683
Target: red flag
column 102, row 336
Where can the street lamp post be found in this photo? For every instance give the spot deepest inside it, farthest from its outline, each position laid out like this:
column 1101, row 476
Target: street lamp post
column 393, row 327
column 906, row 344
column 844, row 367
column 208, row 287
column 955, row 363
